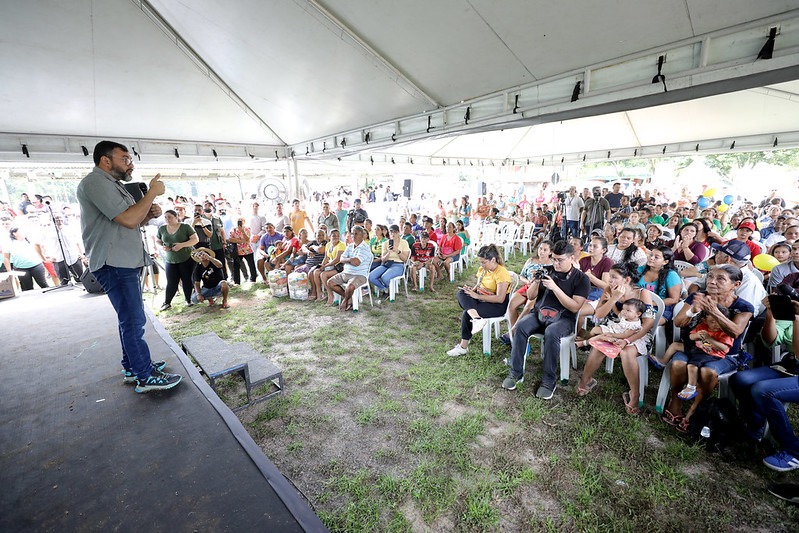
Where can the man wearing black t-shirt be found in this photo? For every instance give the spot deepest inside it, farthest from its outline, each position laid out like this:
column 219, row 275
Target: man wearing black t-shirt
column 209, row 281
column 558, row 298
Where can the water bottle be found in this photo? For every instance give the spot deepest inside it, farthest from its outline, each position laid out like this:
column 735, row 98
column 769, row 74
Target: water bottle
column 705, row 433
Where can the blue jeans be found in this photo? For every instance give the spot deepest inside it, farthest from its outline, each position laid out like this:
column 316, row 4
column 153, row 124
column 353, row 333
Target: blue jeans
column 761, row 393
column 382, row 275
column 123, row 288
column 570, row 227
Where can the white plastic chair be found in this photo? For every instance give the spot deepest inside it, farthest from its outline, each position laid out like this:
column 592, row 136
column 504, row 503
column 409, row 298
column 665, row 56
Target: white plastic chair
column 524, row 237
column 758, row 274
column 357, row 296
column 659, row 347
column 393, row 285
column 496, row 322
column 665, row 380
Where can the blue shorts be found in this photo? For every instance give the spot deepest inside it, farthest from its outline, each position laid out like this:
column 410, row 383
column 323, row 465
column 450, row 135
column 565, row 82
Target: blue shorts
column 719, row 366
column 212, row 292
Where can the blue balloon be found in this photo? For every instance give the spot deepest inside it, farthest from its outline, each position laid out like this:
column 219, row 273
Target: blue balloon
column 728, row 199
column 703, row 202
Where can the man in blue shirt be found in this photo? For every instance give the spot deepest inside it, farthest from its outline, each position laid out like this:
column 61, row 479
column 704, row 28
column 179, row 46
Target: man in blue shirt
column 356, row 258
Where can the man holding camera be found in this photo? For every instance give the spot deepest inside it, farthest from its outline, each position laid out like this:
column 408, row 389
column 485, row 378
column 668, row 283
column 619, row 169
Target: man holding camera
column 595, row 213
column 202, row 226
column 558, row 295
column 110, row 221
column 208, row 278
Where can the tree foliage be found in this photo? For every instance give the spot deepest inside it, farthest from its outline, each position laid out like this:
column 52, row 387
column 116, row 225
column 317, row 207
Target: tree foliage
column 725, row 164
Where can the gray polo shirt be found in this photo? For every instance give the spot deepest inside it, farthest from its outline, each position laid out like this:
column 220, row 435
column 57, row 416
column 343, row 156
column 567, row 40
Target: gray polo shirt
column 102, row 198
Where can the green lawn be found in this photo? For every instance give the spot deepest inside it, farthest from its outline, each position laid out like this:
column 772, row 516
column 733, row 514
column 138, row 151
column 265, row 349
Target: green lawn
column 383, row 432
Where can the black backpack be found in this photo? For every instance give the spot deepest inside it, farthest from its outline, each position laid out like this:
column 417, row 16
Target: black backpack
column 716, row 424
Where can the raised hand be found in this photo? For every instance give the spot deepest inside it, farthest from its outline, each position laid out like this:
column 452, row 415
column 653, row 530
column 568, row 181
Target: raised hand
column 157, row 186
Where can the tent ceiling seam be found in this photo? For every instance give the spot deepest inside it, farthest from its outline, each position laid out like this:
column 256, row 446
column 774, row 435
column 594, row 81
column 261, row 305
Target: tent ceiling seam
column 501, row 40
column 183, row 46
column 380, row 59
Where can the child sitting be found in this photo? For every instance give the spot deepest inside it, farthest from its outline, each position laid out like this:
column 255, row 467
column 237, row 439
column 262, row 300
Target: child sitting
column 710, row 343
column 629, row 323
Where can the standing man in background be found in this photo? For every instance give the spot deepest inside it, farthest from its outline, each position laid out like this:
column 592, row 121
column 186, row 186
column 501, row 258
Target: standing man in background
column 110, row 221
column 573, row 208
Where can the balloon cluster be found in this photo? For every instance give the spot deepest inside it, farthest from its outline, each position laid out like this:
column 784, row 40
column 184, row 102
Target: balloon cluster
column 706, row 199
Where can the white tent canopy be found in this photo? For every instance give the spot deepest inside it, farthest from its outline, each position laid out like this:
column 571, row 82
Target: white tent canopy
column 275, row 78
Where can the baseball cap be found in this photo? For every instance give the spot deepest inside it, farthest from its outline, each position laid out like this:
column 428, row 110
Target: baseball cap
column 738, row 250
column 747, row 224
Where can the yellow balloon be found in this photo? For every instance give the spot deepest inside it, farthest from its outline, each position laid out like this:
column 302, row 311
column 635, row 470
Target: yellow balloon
column 722, row 208
column 709, row 193
column 765, row 262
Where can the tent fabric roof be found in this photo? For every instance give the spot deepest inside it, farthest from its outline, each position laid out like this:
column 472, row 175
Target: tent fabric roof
column 284, row 72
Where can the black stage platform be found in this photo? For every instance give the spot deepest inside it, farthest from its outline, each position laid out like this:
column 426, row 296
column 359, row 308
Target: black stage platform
column 80, row 451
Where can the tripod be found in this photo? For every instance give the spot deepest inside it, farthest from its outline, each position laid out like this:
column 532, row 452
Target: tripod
column 70, row 284
column 149, row 269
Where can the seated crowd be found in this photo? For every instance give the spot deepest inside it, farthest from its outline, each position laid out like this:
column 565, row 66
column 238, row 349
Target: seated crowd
column 693, row 272
column 629, row 264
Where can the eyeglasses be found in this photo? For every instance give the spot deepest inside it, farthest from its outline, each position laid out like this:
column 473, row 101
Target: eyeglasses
column 127, row 160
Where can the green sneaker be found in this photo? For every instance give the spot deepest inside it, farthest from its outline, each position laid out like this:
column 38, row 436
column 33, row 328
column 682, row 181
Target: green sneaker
column 130, row 378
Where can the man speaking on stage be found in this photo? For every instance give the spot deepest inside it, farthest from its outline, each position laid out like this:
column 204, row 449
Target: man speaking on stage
column 110, row 221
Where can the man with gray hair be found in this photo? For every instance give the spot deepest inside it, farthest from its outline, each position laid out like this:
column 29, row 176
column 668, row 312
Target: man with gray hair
column 357, row 259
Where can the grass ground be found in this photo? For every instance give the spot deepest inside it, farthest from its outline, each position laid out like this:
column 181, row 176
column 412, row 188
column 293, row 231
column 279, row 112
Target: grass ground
column 383, row 432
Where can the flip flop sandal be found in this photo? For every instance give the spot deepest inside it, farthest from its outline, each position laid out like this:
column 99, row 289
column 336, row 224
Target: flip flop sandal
column 670, row 419
column 682, row 427
column 588, row 388
column 657, row 364
column 688, row 393
column 631, row 410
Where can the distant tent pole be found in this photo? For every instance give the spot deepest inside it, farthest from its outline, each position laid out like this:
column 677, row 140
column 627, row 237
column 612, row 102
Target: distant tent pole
column 241, row 189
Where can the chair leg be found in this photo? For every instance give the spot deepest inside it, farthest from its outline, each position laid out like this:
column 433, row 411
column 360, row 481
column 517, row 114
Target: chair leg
column 663, row 389
column 487, row 339
column 643, row 377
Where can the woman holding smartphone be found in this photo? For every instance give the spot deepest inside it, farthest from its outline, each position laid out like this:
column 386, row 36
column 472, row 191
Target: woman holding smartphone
column 487, row 299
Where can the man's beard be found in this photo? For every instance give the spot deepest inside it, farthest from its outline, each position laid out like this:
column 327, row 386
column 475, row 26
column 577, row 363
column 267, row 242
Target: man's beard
column 121, row 174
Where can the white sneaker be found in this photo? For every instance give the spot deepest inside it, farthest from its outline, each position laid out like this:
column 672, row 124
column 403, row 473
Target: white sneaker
column 458, row 350
column 478, row 324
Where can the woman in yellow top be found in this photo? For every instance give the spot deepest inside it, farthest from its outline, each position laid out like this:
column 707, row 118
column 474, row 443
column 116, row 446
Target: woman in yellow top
column 487, row 299
column 330, row 266
column 395, row 251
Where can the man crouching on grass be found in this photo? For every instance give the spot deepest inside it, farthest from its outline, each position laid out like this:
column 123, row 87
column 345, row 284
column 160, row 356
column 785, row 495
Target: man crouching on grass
column 209, row 281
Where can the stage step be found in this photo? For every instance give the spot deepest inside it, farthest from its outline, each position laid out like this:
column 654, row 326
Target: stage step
column 217, row 358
